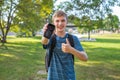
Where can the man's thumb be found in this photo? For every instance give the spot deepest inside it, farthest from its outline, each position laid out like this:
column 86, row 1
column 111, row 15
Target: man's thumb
column 67, row 41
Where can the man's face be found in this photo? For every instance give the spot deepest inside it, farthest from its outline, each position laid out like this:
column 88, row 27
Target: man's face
column 60, row 23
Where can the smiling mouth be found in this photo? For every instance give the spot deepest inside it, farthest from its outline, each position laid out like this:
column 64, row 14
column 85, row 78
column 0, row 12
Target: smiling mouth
column 61, row 27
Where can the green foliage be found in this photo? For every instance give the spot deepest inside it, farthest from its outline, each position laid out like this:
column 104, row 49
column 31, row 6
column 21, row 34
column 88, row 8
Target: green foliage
column 7, row 14
column 95, row 10
column 111, row 22
column 89, row 15
column 85, row 24
column 91, row 8
column 31, row 15
column 23, row 16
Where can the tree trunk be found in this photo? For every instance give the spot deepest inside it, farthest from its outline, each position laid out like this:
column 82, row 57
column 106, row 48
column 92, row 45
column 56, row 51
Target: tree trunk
column 3, row 39
column 33, row 34
column 88, row 34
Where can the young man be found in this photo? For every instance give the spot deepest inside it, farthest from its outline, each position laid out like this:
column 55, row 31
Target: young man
column 61, row 64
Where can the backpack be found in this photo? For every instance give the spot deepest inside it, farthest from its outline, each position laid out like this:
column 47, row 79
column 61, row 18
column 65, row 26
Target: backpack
column 49, row 51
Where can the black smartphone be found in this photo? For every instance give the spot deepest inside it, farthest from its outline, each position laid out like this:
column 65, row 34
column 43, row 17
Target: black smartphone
column 49, row 31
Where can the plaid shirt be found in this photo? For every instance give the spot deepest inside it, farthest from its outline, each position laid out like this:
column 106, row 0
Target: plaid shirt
column 61, row 65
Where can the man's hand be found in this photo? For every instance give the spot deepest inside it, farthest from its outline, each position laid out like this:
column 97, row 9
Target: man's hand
column 44, row 40
column 45, row 27
column 66, row 47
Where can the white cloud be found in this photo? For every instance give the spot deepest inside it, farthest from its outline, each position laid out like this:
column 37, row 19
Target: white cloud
column 116, row 11
column 58, row 1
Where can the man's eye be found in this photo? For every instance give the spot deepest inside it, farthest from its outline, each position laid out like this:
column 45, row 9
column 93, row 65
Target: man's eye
column 63, row 20
column 57, row 20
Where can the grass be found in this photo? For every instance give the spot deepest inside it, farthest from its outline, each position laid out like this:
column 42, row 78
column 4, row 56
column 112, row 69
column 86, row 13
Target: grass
column 22, row 60
column 24, row 57
column 104, row 59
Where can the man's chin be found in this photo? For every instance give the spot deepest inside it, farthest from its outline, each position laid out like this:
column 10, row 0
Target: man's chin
column 61, row 30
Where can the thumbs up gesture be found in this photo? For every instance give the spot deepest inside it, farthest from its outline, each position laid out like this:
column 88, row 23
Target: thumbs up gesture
column 66, row 47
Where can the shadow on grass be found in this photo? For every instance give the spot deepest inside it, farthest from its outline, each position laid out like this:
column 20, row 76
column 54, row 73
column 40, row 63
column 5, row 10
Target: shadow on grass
column 104, row 54
column 96, row 71
column 37, row 37
column 108, row 40
column 21, row 61
column 103, row 62
column 97, row 51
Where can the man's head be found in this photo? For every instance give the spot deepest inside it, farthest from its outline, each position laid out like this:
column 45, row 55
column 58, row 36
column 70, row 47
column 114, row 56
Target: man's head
column 59, row 14
column 59, row 20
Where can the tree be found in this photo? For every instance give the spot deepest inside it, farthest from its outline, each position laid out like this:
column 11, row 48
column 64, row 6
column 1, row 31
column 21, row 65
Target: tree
column 112, row 22
column 91, row 8
column 7, row 10
column 32, row 15
column 87, row 24
column 84, row 24
column 94, row 9
column 27, row 15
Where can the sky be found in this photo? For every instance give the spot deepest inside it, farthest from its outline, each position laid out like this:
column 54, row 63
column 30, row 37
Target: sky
column 116, row 9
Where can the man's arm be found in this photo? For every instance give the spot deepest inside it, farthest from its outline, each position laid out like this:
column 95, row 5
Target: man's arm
column 67, row 48
column 80, row 54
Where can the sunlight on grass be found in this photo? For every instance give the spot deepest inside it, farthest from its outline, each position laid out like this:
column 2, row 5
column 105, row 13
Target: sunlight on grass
column 15, row 39
column 88, row 63
column 8, row 55
column 114, row 76
column 24, row 56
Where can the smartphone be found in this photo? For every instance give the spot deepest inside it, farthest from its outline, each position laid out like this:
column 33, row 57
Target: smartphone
column 49, row 31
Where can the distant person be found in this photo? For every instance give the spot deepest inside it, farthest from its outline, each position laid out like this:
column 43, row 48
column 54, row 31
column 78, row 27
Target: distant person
column 62, row 64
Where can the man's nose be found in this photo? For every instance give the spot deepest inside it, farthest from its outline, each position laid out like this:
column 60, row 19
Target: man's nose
column 60, row 23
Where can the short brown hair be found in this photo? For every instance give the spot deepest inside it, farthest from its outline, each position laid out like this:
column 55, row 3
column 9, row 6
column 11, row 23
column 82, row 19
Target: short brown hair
column 59, row 14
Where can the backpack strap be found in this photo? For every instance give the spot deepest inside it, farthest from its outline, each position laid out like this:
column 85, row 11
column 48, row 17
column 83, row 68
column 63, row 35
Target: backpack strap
column 52, row 45
column 53, row 42
column 70, row 38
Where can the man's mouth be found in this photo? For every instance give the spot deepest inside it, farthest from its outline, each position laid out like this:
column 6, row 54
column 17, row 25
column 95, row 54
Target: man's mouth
column 61, row 27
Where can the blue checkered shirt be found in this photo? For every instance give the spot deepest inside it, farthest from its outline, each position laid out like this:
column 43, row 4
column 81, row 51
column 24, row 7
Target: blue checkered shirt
column 62, row 65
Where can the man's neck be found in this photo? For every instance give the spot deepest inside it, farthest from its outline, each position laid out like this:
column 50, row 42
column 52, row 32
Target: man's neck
column 60, row 34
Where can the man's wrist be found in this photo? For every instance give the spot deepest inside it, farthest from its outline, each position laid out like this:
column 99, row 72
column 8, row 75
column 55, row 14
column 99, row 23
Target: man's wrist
column 44, row 40
column 72, row 50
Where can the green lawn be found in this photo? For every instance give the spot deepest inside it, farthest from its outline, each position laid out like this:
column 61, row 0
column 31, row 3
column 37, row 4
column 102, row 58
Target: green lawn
column 24, row 57
column 104, row 59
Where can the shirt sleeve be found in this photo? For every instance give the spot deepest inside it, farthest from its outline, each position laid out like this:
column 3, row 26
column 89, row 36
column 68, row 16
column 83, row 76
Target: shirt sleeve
column 77, row 44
